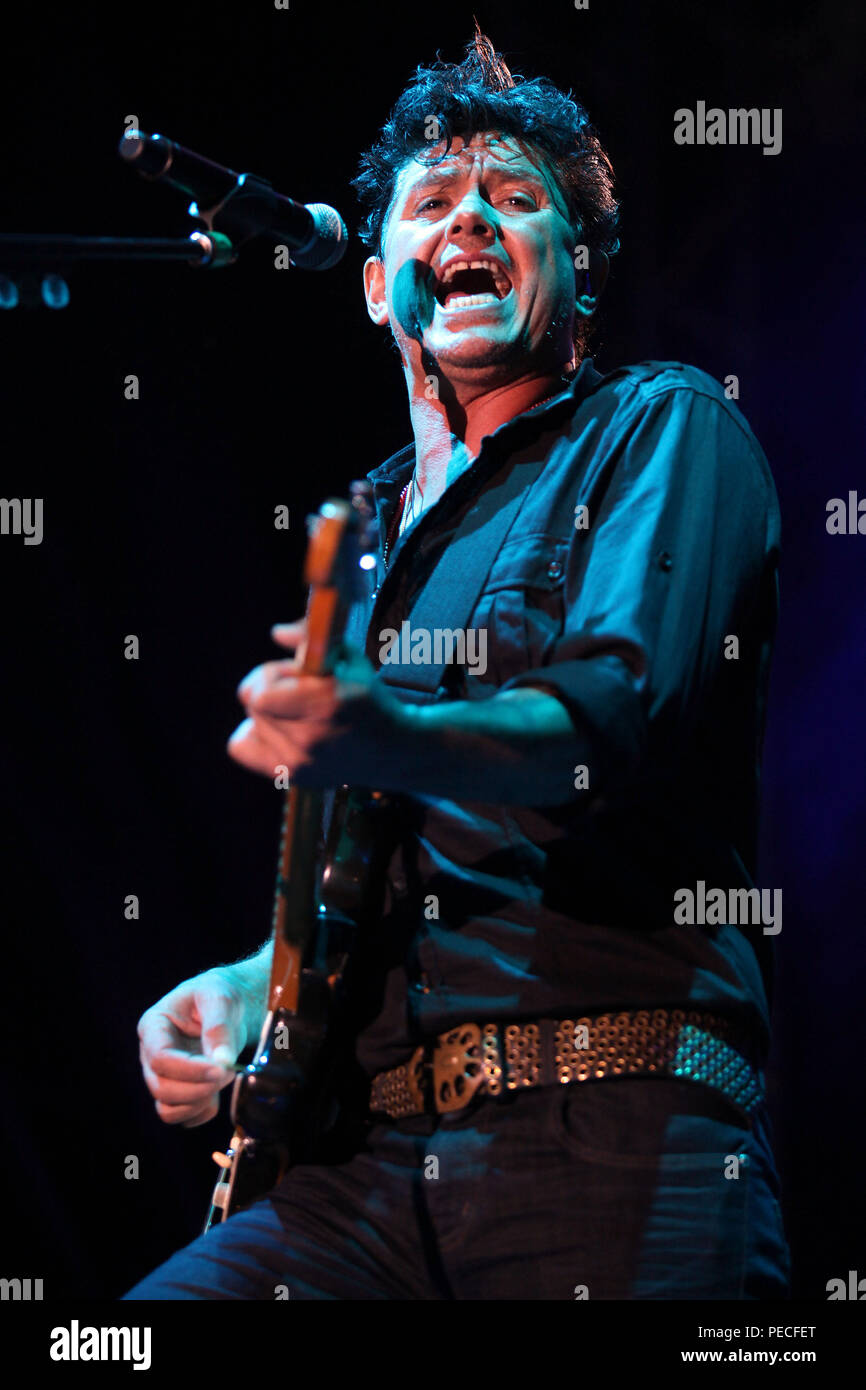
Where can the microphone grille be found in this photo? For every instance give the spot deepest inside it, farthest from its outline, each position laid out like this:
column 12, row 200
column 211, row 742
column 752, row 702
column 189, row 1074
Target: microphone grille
column 329, row 241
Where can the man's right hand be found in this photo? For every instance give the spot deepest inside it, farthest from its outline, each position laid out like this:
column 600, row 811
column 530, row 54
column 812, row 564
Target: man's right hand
column 189, row 1039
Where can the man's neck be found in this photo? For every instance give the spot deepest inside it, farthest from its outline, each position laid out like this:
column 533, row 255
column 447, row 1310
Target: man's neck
column 448, row 434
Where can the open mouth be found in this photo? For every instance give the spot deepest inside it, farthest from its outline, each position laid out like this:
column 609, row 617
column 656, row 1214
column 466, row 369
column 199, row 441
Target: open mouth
column 467, row 285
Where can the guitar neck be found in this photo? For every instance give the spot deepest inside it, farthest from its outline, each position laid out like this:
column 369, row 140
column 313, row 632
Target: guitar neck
column 295, row 894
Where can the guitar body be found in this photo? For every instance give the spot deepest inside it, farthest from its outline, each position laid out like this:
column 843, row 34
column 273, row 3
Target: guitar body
column 303, row 1097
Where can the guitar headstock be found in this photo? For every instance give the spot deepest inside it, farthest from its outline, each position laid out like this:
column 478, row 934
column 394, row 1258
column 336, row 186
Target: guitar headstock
column 341, row 546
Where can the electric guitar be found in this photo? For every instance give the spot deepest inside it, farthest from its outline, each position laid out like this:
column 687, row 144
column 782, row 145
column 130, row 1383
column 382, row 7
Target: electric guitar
column 290, row 1098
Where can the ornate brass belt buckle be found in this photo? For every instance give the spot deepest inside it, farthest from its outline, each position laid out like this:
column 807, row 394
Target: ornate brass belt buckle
column 458, row 1067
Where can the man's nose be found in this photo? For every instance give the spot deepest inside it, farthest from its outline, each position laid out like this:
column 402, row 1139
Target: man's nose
column 471, row 218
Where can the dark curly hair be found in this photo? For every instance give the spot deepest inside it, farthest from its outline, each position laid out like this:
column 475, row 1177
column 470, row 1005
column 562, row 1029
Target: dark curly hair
column 478, row 95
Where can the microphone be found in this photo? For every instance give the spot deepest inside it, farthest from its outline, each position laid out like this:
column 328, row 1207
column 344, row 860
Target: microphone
column 248, row 205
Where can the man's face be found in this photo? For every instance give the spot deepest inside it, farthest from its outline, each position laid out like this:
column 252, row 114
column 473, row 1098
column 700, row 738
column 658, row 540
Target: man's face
column 478, row 260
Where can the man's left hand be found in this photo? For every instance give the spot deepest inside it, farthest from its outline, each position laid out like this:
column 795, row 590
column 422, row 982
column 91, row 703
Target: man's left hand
column 326, row 730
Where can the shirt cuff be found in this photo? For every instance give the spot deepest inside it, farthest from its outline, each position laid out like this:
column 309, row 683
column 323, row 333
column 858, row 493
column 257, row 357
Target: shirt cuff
column 606, row 710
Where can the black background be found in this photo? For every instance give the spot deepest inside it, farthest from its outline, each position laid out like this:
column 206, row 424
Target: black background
column 260, row 387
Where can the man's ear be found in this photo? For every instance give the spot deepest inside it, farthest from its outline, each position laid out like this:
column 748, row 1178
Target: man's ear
column 374, row 290
column 594, row 281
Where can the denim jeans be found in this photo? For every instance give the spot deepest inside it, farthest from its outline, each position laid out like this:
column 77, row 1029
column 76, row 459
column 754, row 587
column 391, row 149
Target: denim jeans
column 632, row 1188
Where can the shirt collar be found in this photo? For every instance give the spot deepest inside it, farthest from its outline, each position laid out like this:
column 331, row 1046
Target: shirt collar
column 398, row 468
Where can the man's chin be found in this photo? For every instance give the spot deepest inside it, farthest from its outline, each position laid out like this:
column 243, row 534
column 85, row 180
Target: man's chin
column 474, row 350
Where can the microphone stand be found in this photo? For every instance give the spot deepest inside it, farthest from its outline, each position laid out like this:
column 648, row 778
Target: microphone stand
column 242, row 213
column 211, row 249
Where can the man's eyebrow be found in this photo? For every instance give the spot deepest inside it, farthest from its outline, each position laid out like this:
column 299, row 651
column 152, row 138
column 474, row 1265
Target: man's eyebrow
column 500, row 173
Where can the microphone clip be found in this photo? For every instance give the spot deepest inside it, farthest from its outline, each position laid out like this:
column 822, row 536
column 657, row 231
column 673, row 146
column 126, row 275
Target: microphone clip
column 245, row 212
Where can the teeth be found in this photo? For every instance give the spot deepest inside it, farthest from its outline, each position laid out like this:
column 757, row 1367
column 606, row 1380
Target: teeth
column 462, row 301
column 503, row 284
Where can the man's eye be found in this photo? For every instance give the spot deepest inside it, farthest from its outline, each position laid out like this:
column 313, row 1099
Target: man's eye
column 522, row 199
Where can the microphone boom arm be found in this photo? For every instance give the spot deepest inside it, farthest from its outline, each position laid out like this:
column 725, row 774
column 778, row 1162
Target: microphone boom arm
column 242, row 206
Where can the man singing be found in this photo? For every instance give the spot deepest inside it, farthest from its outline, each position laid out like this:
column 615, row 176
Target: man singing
column 603, row 1132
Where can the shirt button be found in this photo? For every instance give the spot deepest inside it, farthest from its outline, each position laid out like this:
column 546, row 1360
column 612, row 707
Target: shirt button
column 421, row 986
column 554, row 569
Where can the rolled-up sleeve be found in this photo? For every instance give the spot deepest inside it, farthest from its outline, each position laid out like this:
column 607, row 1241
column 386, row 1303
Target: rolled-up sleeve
column 682, row 524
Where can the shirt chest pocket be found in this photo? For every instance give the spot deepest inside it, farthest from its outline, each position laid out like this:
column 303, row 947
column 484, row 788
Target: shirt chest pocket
column 522, row 605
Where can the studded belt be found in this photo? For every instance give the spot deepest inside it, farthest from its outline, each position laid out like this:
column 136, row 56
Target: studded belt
column 493, row 1059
